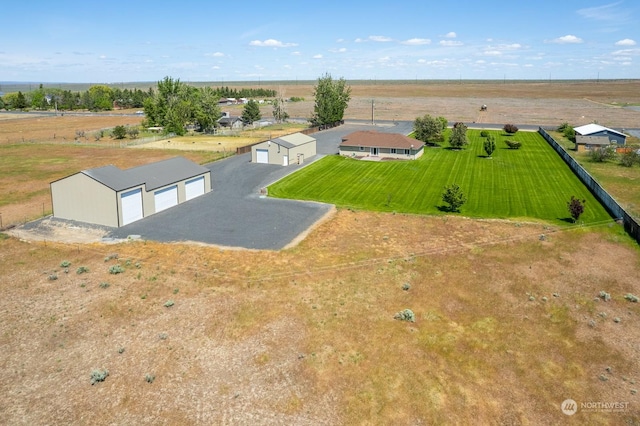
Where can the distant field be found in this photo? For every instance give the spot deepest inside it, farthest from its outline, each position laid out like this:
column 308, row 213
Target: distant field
column 530, row 183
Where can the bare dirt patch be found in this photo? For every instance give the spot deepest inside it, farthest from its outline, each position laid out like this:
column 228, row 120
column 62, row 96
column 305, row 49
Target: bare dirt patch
column 307, row 335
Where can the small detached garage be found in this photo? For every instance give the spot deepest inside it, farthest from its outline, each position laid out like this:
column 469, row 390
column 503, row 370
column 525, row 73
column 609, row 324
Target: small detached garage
column 113, row 197
column 285, row 150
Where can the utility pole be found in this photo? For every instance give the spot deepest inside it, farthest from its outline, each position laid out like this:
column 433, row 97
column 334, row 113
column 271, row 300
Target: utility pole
column 373, row 120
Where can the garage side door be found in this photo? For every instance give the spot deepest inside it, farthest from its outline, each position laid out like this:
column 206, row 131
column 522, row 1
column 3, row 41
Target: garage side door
column 262, row 156
column 194, row 188
column 131, row 206
column 165, row 198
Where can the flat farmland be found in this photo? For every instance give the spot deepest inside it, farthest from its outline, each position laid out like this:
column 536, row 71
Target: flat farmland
column 529, row 183
column 508, row 325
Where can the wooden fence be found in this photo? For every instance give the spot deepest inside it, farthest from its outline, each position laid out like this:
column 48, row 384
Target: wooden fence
column 614, row 208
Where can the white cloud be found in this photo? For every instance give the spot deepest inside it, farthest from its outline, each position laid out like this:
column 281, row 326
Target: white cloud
column 416, row 41
column 384, row 59
column 492, row 53
column 215, row 55
column 340, row 50
column 607, row 12
column 626, row 52
column 318, row 56
column 481, row 61
column 450, row 43
column 102, row 57
column 296, row 53
column 626, row 42
column 215, row 67
column 271, row 43
column 568, row 39
column 422, row 61
column 382, row 39
column 359, row 40
column 451, row 34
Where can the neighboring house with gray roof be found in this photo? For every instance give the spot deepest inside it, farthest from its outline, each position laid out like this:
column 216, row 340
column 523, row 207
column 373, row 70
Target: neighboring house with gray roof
column 285, row 150
column 597, row 130
column 367, row 143
column 113, row 197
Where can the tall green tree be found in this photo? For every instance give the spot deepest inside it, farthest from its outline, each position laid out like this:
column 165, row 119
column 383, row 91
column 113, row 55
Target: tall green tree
column 429, row 129
column 172, row 106
column 207, row 110
column 21, row 101
column 100, row 98
column 251, row 112
column 331, row 100
column 489, row 145
column 458, row 138
column 453, row 196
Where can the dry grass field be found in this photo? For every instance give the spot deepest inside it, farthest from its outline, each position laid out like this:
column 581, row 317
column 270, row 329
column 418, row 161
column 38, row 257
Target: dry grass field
column 507, row 327
column 509, row 322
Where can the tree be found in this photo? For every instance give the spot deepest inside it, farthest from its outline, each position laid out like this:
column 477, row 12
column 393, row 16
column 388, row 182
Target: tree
column 600, row 155
column 280, row 108
column 119, row 132
column 490, row 145
column 458, row 138
column 576, row 208
column 510, row 128
column 429, row 129
column 21, row 101
column 628, row 159
column 100, row 98
column 251, row 112
column 172, row 106
column 513, row 144
column 331, row 100
column 207, row 109
column 453, row 196
column 1, row 103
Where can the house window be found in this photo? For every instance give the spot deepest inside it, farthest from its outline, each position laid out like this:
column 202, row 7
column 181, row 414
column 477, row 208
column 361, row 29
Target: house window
column 362, row 148
column 394, row 151
column 407, row 151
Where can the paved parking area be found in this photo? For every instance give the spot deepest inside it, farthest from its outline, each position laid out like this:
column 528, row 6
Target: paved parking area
column 234, row 214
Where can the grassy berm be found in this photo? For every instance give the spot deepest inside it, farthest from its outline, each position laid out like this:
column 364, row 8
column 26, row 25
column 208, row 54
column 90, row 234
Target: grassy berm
column 508, row 324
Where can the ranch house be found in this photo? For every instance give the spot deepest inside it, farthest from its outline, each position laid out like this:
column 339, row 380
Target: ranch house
column 366, row 143
column 113, row 197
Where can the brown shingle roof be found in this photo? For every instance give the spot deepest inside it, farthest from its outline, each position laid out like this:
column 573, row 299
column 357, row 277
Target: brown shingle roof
column 368, row 138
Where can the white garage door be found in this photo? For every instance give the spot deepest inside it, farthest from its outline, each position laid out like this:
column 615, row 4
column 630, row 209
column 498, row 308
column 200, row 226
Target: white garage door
column 166, row 198
column 131, row 206
column 194, row 187
column 262, row 156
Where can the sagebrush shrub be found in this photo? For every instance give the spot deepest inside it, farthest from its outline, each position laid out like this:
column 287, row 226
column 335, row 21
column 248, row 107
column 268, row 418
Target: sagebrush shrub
column 405, row 315
column 116, row 269
column 99, row 376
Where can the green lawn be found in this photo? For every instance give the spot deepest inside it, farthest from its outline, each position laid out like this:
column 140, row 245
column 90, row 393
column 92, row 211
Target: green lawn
column 529, row 183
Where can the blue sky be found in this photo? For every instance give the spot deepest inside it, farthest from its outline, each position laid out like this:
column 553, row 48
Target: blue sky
column 124, row 41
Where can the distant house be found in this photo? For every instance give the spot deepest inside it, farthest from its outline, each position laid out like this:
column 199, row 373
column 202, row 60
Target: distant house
column 113, row 197
column 588, row 143
column 231, row 122
column 285, row 150
column 368, row 143
column 597, row 130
